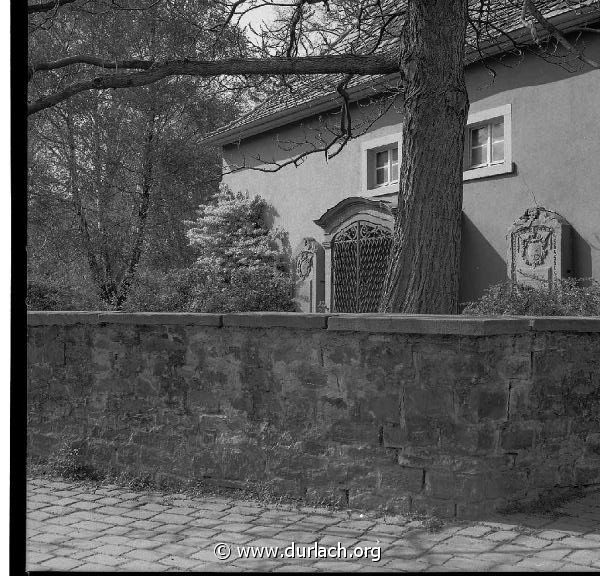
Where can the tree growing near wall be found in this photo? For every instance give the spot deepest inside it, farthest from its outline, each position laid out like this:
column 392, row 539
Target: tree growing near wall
column 113, row 175
column 241, row 263
column 422, row 42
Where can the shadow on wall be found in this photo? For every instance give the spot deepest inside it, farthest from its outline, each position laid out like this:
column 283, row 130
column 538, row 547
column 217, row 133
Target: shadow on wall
column 480, row 266
column 582, row 256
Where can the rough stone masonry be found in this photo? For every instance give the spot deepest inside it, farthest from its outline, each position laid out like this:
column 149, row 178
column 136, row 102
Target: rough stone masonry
column 453, row 414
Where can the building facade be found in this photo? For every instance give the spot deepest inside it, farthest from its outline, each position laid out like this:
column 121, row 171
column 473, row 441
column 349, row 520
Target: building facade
column 533, row 139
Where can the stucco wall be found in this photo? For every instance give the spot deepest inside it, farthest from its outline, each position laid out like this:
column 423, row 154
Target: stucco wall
column 556, row 146
column 450, row 414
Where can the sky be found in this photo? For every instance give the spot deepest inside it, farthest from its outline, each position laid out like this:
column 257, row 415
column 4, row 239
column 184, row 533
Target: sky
column 256, row 17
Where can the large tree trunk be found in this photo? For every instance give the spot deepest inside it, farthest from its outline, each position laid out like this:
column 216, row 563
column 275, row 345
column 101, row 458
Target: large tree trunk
column 424, row 266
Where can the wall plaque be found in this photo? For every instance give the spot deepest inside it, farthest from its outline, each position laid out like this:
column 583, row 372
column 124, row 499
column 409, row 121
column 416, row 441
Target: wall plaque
column 309, row 275
column 539, row 248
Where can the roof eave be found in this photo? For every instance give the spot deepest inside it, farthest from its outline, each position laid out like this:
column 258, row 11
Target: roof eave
column 566, row 21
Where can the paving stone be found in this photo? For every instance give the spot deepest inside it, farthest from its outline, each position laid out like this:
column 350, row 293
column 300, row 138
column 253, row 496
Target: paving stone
column 139, row 514
column 93, row 568
column 227, row 538
column 334, row 540
column 105, row 560
column 147, row 544
column 263, row 531
column 115, row 520
column 477, row 530
column 97, row 529
column 575, row 568
column 60, row 563
column 173, row 549
column 37, row 557
column 108, row 501
column 555, row 551
column 581, row 543
column 538, row 565
column 114, row 549
column 170, row 528
column 151, row 506
column 502, row 535
column 49, row 538
column 457, row 544
column 530, row 542
column 184, row 564
column 88, row 496
column 91, row 525
column 86, row 505
column 166, row 537
column 141, row 566
column 257, row 565
column 585, row 557
column 119, row 530
column 144, row 524
column 234, row 527
column 83, row 543
column 147, row 555
column 38, row 515
column 551, row 535
column 208, row 555
column 405, row 565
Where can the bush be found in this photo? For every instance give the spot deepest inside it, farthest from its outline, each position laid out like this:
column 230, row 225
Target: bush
column 242, row 264
column 234, row 233
column 44, row 294
column 69, row 463
column 198, row 289
column 568, row 297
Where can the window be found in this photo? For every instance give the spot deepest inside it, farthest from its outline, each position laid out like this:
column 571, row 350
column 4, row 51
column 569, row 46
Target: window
column 386, row 166
column 380, row 164
column 486, row 144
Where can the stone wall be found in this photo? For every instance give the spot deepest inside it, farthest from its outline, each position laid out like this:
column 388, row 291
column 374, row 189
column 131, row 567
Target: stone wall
column 456, row 414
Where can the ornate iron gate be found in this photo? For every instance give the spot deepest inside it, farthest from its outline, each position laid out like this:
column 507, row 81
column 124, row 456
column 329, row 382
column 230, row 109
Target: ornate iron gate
column 359, row 258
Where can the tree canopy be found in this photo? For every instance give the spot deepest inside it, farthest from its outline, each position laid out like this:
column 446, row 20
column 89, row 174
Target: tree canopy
column 84, row 52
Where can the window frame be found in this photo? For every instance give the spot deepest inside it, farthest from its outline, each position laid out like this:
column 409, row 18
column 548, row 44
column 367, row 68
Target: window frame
column 490, row 168
column 369, row 150
column 389, row 166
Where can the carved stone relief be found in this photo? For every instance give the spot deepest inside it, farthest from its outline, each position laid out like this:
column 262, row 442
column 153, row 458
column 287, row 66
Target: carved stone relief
column 309, row 275
column 539, row 248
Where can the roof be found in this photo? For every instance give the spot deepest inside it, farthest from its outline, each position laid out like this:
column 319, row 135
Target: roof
column 307, row 96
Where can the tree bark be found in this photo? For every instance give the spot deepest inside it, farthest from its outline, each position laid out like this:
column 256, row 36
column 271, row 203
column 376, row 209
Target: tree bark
column 423, row 274
column 142, row 215
column 82, row 223
column 155, row 71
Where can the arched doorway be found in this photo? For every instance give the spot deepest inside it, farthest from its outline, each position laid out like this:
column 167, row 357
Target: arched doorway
column 359, row 258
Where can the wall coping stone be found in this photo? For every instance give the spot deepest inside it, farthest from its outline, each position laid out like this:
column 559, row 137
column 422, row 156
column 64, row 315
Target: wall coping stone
column 429, row 324
column 276, row 319
column 375, row 323
column 165, row 318
column 565, row 323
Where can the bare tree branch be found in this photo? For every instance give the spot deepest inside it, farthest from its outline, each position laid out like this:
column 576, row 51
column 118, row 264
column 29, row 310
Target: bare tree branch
column 529, row 6
column 348, row 64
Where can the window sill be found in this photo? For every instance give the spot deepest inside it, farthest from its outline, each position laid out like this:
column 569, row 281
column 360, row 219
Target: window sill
column 382, row 190
column 487, row 171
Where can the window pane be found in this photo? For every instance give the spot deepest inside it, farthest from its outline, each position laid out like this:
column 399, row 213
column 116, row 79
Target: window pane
column 498, row 131
column 381, row 159
column 479, row 155
column 395, row 171
column 479, row 136
column 382, row 175
column 394, row 155
column 498, row 151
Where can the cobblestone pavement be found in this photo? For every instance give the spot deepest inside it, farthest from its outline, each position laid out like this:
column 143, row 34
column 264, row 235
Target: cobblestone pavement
column 79, row 526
